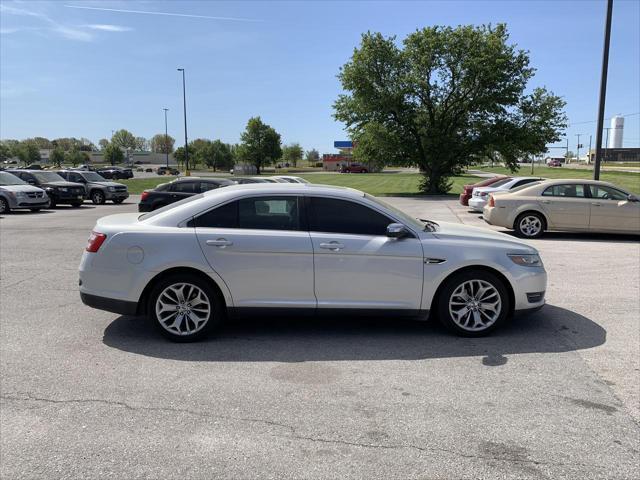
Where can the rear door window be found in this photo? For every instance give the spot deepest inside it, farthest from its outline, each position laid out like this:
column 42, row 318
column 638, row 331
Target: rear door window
column 568, row 190
column 184, row 187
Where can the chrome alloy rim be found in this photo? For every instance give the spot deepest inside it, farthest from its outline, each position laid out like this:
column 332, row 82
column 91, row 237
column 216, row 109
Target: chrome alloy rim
column 475, row 305
column 183, row 309
column 530, row 225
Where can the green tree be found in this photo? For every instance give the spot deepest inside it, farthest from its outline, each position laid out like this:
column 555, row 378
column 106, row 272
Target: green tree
column 124, row 139
column 57, row 156
column 260, row 144
column 42, row 143
column 113, row 154
column 27, row 152
column 312, row 157
column 5, row 152
column 75, row 156
column 103, row 143
column 446, row 98
column 216, row 155
column 292, row 154
column 162, row 144
column 178, row 155
column 141, row 144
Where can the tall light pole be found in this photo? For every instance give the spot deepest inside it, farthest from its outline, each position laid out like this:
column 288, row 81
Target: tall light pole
column 186, row 148
column 606, row 143
column 578, row 147
column 603, row 89
column 589, row 151
column 166, row 137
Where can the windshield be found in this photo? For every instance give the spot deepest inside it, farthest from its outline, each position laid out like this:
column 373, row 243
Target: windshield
column 403, row 217
column 93, row 177
column 44, row 177
column 7, row 178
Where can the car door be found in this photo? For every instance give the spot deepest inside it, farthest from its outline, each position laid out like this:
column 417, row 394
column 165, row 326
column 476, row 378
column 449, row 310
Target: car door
column 77, row 178
column 567, row 206
column 356, row 264
column 262, row 251
column 180, row 190
column 612, row 211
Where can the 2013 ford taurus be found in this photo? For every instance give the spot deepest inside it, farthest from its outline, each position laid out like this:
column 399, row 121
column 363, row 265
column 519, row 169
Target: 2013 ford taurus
column 298, row 247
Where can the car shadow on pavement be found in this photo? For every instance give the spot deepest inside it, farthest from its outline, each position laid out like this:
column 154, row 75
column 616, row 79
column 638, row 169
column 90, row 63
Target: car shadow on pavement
column 550, row 330
column 583, row 237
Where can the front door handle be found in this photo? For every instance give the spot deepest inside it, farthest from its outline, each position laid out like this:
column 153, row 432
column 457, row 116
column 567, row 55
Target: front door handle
column 546, row 201
column 595, row 204
column 219, row 242
column 335, row 246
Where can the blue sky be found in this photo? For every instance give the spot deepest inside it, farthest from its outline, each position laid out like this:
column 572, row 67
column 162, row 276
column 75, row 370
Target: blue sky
column 85, row 71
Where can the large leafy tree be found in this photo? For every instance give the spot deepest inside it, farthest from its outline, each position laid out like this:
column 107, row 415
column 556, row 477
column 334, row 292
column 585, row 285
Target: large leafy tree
column 162, row 143
column 292, row 154
column 125, row 140
column 113, row 154
column 216, row 155
column 57, row 156
column 312, row 156
column 27, row 152
column 444, row 99
column 260, row 144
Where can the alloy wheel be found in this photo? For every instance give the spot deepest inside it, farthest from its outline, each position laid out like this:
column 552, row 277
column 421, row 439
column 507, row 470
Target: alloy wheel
column 3, row 206
column 475, row 305
column 183, row 309
column 530, row 225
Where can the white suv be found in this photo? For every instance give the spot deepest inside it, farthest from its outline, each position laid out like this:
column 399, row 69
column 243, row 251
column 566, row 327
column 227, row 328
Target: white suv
column 289, row 248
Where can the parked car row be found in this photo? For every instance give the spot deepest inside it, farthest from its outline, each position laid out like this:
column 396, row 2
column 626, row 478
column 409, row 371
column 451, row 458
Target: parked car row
column 38, row 189
column 531, row 205
column 171, row 192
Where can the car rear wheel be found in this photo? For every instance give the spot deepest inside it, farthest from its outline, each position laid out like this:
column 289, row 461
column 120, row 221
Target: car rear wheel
column 473, row 303
column 4, row 206
column 529, row 225
column 185, row 308
column 97, row 197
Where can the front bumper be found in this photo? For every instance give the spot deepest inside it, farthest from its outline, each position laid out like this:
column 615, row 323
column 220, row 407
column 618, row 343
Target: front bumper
column 477, row 203
column 116, row 195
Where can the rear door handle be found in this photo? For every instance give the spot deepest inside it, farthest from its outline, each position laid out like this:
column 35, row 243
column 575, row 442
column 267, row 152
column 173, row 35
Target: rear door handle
column 220, row 242
column 335, row 246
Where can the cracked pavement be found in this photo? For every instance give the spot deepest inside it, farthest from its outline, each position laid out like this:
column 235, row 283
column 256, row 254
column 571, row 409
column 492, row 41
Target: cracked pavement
column 90, row 394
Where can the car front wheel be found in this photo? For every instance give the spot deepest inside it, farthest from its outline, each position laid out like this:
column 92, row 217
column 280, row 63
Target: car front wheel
column 97, row 197
column 473, row 303
column 4, row 206
column 185, row 308
column 529, row 225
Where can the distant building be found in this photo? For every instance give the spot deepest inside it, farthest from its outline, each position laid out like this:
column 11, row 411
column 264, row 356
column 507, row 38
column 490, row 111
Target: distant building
column 616, row 132
column 617, row 155
column 333, row 161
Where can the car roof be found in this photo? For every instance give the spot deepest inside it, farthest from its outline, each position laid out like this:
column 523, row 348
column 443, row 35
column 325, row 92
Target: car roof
column 216, row 197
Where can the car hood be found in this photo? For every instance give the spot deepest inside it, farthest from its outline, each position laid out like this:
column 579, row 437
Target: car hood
column 459, row 232
column 20, row 188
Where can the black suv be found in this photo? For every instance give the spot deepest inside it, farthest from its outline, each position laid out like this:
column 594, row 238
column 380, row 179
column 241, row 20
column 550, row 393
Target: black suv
column 171, row 192
column 58, row 189
column 115, row 172
column 96, row 187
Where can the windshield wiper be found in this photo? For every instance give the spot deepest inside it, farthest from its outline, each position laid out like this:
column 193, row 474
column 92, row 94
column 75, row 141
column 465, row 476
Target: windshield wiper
column 429, row 226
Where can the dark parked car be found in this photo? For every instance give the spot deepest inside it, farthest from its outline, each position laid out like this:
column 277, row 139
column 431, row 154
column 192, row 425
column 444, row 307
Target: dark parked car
column 467, row 190
column 245, row 180
column 168, row 171
column 171, row 192
column 96, row 187
column 58, row 189
column 34, row 166
column 354, row 167
column 115, row 172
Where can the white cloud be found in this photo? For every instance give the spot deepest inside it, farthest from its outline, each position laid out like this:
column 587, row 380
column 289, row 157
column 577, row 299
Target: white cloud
column 66, row 31
column 109, row 28
column 170, row 14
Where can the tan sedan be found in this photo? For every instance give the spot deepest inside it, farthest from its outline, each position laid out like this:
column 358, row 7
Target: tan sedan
column 569, row 205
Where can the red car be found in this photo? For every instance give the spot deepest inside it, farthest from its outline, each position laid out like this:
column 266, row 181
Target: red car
column 467, row 190
column 554, row 163
column 354, row 167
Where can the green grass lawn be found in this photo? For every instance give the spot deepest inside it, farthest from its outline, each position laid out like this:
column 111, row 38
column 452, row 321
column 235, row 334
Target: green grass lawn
column 627, row 180
column 137, row 185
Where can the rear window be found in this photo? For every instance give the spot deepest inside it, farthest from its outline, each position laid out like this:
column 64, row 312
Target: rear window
column 147, row 216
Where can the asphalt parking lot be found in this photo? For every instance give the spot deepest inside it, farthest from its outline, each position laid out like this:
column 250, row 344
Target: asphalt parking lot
column 90, row 394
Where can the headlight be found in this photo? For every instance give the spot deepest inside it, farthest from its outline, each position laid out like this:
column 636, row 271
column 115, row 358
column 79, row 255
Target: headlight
column 526, row 260
column 111, row 189
column 21, row 194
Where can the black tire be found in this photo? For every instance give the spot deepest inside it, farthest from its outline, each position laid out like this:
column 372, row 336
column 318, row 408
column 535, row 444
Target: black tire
column 216, row 308
column 34, row 209
column 446, row 295
column 98, row 197
column 52, row 203
column 4, row 206
column 118, row 201
column 76, row 204
column 530, row 225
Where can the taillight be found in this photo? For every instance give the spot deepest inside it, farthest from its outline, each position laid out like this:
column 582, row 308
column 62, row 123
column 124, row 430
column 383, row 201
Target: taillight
column 145, row 194
column 492, row 202
column 96, row 240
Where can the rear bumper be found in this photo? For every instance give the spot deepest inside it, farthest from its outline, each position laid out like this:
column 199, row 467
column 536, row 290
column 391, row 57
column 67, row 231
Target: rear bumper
column 144, row 207
column 464, row 199
column 122, row 307
column 477, row 203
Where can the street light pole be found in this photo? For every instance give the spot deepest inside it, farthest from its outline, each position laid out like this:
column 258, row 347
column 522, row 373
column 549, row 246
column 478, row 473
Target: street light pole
column 578, row 147
column 166, row 137
column 186, row 148
column 606, row 145
column 603, row 89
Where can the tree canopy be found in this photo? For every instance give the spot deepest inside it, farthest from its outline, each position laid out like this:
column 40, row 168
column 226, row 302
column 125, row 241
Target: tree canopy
column 292, row 154
column 260, row 144
column 312, row 156
column 443, row 99
column 124, row 139
column 161, row 143
column 113, row 154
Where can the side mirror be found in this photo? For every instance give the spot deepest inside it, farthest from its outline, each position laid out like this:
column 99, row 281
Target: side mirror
column 632, row 198
column 397, row 230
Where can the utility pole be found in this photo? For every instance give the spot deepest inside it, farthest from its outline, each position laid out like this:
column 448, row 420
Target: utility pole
column 578, row 147
column 566, row 157
column 186, row 148
column 606, row 145
column 603, row 89
column 589, row 151
column 166, row 137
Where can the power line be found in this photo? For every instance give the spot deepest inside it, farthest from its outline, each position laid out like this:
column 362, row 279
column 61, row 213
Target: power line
column 608, row 118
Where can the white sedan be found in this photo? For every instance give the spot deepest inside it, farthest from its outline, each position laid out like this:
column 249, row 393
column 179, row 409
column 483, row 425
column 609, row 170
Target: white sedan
column 293, row 248
column 480, row 195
